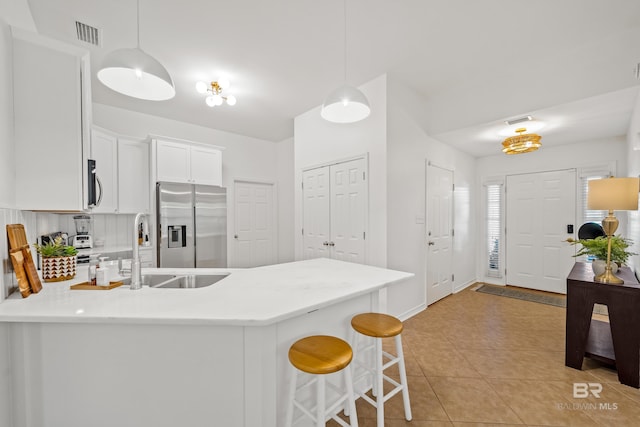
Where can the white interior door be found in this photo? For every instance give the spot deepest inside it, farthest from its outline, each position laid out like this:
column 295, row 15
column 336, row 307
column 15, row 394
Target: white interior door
column 348, row 211
column 539, row 208
column 439, row 212
column 317, row 213
column 255, row 234
column 335, row 211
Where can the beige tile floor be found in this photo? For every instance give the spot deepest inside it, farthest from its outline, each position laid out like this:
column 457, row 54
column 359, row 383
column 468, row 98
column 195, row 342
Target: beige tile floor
column 482, row 360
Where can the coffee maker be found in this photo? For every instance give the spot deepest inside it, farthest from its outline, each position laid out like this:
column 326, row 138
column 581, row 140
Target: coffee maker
column 82, row 239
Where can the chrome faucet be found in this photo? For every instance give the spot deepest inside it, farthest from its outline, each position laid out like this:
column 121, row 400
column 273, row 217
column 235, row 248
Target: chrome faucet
column 136, row 270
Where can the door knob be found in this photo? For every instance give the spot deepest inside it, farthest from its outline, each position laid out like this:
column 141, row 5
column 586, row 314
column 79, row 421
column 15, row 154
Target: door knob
column 235, row 236
column 331, row 244
column 431, row 243
column 325, row 243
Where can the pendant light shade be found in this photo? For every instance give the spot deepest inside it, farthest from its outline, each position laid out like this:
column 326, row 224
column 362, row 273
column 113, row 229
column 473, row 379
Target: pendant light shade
column 135, row 73
column 346, row 104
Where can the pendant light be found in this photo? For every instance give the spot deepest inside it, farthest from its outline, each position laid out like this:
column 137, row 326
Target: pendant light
column 135, row 73
column 347, row 104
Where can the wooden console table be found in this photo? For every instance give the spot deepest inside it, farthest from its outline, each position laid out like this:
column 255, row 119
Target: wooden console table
column 623, row 302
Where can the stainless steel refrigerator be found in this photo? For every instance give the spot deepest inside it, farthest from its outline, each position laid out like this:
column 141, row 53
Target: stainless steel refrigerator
column 192, row 225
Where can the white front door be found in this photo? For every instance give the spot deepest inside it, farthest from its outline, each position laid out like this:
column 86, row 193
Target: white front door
column 539, row 208
column 255, row 235
column 335, row 211
column 439, row 239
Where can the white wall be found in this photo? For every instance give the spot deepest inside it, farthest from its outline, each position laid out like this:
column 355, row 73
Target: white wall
column 244, row 158
column 319, row 142
column 286, row 213
column 633, row 169
column 583, row 154
column 409, row 148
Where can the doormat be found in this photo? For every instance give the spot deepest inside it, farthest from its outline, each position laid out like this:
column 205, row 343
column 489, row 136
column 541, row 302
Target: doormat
column 523, row 294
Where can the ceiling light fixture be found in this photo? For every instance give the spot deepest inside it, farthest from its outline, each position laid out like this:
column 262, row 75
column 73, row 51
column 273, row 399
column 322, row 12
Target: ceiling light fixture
column 214, row 90
column 135, row 73
column 347, row 104
column 521, row 143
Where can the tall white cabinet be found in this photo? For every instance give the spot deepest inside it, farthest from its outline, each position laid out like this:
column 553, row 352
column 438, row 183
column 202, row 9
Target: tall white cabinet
column 52, row 110
column 335, row 211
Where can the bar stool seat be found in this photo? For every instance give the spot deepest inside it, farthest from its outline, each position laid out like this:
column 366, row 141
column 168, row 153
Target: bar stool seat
column 378, row 326
column 320, row 355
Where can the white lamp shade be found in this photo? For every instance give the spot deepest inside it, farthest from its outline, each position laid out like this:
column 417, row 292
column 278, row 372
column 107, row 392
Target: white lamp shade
column 135, row 73
column 619, row 194
column 345, row 105
column 231, row 100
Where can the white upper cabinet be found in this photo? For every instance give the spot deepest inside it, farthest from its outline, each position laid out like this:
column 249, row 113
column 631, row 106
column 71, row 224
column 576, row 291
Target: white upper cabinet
column 122, row 168
column 133, row 176
column 52, row 113
column 188, row 162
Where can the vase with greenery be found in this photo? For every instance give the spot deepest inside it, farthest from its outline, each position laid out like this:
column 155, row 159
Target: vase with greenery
column 597, row 248
column 59, row 261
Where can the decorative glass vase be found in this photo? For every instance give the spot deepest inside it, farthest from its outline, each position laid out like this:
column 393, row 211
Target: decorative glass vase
column 57, row 269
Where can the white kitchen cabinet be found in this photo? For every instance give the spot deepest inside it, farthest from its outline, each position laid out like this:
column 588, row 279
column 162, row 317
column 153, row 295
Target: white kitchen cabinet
column 104, row 150
column 122, row 168
column 52, row 111
column 133, row 176
column 178, row 161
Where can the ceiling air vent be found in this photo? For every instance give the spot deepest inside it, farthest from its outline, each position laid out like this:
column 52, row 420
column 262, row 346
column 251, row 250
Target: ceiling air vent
column 518, row 120
column 88, row 34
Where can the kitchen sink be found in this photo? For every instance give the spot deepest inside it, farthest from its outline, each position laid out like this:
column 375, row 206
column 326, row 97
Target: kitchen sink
column 191, row 281
column 152, row 280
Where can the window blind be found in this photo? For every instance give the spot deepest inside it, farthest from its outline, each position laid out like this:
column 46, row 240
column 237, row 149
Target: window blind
column 587, row 214
column 494, row 229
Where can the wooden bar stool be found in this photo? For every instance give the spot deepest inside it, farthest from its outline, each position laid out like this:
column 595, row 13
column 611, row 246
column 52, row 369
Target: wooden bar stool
column 320, row 355
column 378, row 326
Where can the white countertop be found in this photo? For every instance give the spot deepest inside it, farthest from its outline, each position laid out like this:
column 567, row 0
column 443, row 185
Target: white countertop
column 246, row 297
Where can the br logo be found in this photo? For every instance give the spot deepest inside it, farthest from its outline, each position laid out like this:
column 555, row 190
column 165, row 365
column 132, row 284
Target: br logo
column 583, row 390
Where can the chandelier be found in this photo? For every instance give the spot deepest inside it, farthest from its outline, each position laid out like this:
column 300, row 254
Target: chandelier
column 521, row 143
column 214, row 92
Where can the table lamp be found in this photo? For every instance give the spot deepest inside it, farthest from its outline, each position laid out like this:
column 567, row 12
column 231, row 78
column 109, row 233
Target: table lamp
column 612, row 194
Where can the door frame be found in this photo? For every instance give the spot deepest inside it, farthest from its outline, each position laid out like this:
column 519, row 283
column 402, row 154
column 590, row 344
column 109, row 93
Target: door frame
column 428, row 163
column 231, row 216
column 365, row 157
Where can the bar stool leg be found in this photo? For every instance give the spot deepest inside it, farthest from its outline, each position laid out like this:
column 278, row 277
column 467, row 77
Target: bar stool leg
column 292, row 395
column 351, row 413
column 379, row 380
column 403, row 379
column 320, row 408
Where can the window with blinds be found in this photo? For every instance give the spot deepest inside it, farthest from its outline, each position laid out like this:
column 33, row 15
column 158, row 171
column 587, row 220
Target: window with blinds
column 494, row 229
column 587, row 214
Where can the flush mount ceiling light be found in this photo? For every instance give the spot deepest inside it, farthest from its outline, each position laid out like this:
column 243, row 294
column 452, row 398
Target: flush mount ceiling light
column 214, row 91
column 346, row 104
column 135, row 73
column 521, row 143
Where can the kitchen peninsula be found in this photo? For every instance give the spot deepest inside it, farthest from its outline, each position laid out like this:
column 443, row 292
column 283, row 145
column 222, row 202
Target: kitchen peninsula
column 165, row 357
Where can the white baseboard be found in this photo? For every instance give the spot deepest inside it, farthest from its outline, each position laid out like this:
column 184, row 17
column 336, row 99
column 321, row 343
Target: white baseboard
column 463, row 286
column 412, row 312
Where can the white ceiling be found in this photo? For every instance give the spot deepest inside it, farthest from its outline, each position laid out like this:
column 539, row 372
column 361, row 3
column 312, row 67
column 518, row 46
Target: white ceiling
column 474, row 62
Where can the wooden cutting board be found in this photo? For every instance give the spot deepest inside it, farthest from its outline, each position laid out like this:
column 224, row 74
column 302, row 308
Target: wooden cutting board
column 17, row 259
column 18, row 243
column 30, row 269
column 17, row 236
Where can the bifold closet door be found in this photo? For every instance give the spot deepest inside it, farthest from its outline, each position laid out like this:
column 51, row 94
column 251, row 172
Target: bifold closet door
column 335, row 211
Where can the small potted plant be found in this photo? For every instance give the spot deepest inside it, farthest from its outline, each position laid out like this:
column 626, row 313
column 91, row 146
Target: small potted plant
column 597, row 248
column 59, row 261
